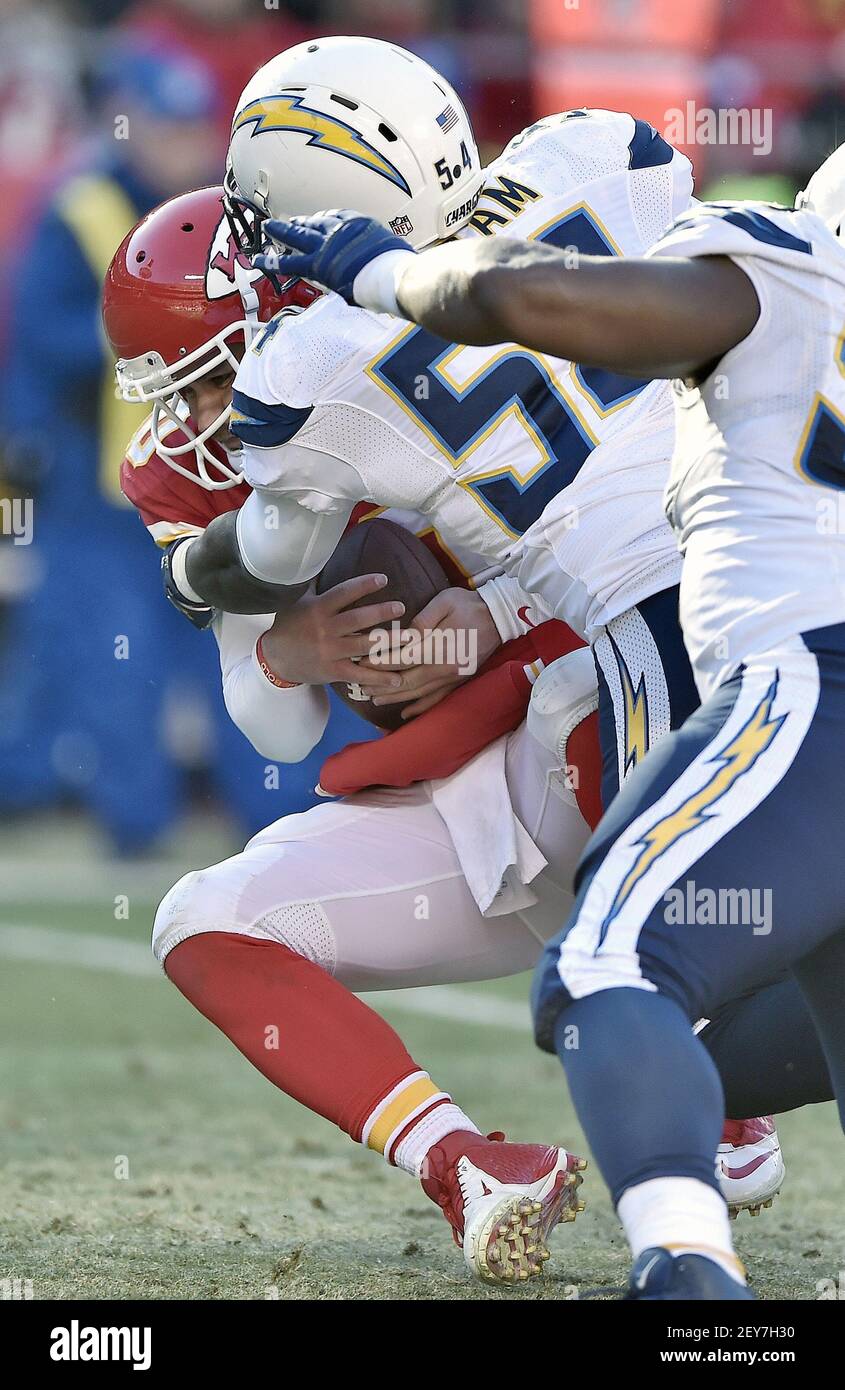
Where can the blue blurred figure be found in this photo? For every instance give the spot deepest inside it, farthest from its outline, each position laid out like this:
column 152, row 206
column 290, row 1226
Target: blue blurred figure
column 75, row 714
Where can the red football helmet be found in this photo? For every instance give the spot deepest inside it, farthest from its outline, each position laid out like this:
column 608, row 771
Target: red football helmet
column 178, row 297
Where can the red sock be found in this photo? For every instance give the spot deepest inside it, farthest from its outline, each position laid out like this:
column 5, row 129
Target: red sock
column 307, row 1034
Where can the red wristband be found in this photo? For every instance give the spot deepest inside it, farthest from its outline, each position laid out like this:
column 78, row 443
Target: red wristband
column 268, row 670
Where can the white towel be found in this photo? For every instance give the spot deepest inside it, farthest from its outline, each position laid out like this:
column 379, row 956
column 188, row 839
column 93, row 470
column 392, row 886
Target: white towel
column 498, row 857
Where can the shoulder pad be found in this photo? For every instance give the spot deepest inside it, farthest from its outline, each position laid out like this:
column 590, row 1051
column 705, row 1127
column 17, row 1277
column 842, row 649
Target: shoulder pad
column 740, row 228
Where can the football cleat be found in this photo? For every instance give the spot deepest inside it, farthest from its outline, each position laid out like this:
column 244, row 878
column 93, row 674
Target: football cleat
column 503, row 1201
column 749, row 1164
column 659, row 1276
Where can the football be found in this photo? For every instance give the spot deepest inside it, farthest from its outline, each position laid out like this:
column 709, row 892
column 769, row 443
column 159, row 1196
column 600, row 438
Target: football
column 414, row 576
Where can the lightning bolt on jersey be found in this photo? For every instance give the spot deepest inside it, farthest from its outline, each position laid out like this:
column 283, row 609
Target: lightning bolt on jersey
column 337, row 404
column 756, row 487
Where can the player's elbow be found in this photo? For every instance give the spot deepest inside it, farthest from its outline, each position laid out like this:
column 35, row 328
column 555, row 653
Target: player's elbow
column 277, row 734
column 277, row 744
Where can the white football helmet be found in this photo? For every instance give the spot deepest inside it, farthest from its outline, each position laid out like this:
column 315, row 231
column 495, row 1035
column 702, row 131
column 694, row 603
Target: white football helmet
column 825, row 193
column 353, row 123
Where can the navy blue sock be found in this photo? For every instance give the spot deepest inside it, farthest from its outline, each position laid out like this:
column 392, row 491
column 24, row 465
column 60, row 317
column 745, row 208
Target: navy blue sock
column 647, row 1094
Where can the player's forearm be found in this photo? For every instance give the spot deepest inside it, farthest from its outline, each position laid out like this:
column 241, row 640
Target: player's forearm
column 643, row 318
column 282, row 722
column 215, row 572
column 452, row 289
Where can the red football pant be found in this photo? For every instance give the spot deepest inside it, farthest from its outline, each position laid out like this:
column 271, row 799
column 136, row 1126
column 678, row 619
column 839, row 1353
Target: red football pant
column 302, row 1029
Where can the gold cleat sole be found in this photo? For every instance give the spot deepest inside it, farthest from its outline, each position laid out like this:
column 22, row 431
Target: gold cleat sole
column 516, row 1248
column 754, row 1209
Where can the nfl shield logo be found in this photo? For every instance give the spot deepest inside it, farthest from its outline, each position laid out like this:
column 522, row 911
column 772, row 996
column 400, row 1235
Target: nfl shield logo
column 401, row 226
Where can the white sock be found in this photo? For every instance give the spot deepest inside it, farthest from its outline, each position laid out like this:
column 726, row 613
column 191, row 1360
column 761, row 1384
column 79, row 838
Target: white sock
column 429, row 1130
column 683, row 1215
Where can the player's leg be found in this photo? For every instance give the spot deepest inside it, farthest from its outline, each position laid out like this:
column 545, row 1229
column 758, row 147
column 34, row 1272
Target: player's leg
column 821, row 977
column 769, row 1057
column 646, row 689
column 365, row 893
column 767, row 1051
column 713, row 811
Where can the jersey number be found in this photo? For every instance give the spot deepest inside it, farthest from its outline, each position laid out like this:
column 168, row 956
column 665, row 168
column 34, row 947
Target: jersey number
column 458, row 417
column 821, row 452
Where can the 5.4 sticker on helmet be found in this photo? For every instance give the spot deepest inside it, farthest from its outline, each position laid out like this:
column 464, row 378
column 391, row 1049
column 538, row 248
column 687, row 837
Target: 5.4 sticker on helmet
column 448, row 175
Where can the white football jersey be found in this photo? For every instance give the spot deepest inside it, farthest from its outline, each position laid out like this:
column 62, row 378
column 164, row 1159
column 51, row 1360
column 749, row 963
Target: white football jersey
column 337, row 405
column 757, row 486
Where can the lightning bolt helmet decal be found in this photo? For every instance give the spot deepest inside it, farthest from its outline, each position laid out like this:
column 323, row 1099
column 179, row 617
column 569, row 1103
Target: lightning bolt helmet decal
column 288, row 112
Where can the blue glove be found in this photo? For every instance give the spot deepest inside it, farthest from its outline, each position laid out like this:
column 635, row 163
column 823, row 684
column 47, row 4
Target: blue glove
column 331, row 248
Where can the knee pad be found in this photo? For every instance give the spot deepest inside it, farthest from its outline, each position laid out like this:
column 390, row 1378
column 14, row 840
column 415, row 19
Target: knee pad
column 209, row 900
column 563, row 695
column 569, row 971
column 186, row 910
column 562, row 718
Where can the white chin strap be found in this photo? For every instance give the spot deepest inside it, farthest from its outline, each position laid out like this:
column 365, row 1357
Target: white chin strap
column 172, row 414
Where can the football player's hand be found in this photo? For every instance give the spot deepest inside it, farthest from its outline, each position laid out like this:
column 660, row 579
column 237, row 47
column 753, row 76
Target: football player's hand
column 315, row 640
column 446, row 644
column 329, row 248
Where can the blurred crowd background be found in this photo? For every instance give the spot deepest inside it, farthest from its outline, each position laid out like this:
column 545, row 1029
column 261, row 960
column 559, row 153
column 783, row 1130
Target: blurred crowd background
column 109, row 701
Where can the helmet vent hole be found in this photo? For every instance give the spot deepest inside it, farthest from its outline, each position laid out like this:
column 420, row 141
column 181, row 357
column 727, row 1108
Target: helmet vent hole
column 344, row 101
column 313, row 48
column 387, row 133
column 141, row 256
column 187, row 226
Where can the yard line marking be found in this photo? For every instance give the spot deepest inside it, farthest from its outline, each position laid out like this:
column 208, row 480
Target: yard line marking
column 96, row 951
column 455, row 1003
column 88, row 950
column 94, row 884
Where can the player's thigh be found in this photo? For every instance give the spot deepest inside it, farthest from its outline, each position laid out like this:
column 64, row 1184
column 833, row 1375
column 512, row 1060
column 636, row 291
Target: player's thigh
column 696, row 881
column 646, row 685
column 370, row 888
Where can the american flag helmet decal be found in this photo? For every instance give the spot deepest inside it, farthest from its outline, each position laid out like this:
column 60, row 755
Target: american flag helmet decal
column 448, row 119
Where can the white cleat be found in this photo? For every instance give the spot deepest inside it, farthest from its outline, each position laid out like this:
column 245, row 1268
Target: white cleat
column 507, row 1224
column 503, row 1201
column 749, row 1164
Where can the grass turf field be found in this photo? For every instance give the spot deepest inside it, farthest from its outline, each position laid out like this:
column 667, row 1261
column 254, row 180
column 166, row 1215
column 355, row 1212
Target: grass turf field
column 144, row 1158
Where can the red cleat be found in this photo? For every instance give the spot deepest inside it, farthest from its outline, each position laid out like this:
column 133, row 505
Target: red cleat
column 749, row 1164
column 502, row 1200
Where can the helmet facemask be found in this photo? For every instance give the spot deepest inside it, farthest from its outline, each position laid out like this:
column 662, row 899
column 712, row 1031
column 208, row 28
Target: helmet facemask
column 149, row 379
column 246, row 223
column 181, row 303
